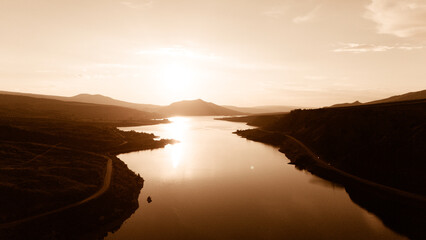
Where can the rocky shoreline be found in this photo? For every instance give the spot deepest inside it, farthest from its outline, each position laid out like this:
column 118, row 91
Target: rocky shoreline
column 93, row 219
column 401, row 211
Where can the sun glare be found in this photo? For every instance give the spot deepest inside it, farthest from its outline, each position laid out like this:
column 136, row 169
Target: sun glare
column 178, row 78
column 178, row 129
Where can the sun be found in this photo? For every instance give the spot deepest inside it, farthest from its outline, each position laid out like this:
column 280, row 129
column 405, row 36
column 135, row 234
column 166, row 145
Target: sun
column 177, row 78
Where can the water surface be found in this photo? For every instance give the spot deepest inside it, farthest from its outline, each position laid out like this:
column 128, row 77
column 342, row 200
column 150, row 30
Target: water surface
column 216, row 185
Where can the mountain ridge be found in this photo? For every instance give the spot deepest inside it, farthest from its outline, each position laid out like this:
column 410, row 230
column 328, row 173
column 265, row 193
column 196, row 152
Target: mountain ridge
column 262, row 109
column 211, row 109
column 196, row 107
column 19, row 106
column 101, row 99
column 397, row 98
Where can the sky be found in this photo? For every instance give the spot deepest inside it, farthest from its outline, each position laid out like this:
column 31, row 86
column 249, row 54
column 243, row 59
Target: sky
column 308, row 53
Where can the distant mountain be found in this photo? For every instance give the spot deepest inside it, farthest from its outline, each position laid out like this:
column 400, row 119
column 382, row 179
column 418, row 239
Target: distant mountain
column 196, row 108
column 100, row 99
column 91, row 98
column 403, row 97
column 61, row 98
column 184, row 108
column 398, row 98
column 356, row 103
column 262, row 109
column 15, row 106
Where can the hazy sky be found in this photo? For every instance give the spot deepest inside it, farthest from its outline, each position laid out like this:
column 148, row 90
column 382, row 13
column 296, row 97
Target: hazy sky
column 240, row 52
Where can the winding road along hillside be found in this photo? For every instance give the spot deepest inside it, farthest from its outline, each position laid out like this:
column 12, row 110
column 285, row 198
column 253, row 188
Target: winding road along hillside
column 416, row 197
column 102, row 190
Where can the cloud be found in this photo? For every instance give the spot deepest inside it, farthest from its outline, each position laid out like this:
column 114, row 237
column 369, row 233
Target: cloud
column 306, row 17
column 117, row 66
column 256, row 66
column 314, row 77
column 275, row 14
column 138, row 4
column 400, row 18
column 298, row 13
column 177, row 51
column 181, row 53
column 46, row 71
column 363, row 48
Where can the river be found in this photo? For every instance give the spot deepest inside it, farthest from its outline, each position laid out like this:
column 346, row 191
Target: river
column 216, row 185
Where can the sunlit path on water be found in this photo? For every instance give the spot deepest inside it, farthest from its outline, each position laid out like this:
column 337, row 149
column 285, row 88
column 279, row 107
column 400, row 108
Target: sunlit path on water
column 177, row 130
column 216, row 185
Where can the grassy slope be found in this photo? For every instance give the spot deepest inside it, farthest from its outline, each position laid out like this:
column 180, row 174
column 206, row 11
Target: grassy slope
column 403, row 97
column 255, row 120
column 196, row 108
column 384, row 143
column 12, row 106
column 63, row 174
column 66, row 174
column 32, row 182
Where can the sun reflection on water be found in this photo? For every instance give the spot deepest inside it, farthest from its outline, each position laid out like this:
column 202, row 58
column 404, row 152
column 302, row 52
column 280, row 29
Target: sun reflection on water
column 178, row 130
column 176, row 155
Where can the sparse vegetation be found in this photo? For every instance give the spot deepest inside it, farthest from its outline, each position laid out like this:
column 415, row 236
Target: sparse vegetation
column 51, row 161
column 382, row 143
column 255, row 120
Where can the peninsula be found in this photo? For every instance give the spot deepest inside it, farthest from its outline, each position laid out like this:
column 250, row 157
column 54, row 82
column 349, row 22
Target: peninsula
column 59, row 165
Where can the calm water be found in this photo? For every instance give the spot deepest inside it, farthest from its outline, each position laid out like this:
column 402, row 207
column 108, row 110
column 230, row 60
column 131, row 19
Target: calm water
column 216, row 185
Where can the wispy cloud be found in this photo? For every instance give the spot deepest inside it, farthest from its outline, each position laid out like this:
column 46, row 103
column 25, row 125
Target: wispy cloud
column 256, row 66
column 45, row 71
column 363, row 48
column 316, row 77
column 137, row 4
column 177, row 51
column 116, row 66
column 297, row 14
column 182, row 53
column 400, row 18
column 275, row 14
column 307, row 16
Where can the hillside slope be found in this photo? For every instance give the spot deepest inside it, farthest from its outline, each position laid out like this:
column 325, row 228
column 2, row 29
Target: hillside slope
column 403, row 97
column 384, row 143
column 398, row 98
column 89, row 98
column 100, row 99
column 261, row 109
column 196, row 108
column 13, row 106
column 183, row 108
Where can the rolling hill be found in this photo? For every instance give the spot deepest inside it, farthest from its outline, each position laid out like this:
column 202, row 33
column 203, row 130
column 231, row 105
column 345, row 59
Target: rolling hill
column 403, row 97
column 90, row 98
column 174, row 108
column 398, row 98
column 14, row 106
column 262, row 109
column 100, row 99
column 356, row 103
column 196, row 108
column 382, row 143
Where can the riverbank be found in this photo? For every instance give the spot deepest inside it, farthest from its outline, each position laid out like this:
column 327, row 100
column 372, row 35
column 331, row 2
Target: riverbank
column 383, row 143
column 48, row 176
column 375, row 151
column 303, row 158
column 400, row 210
